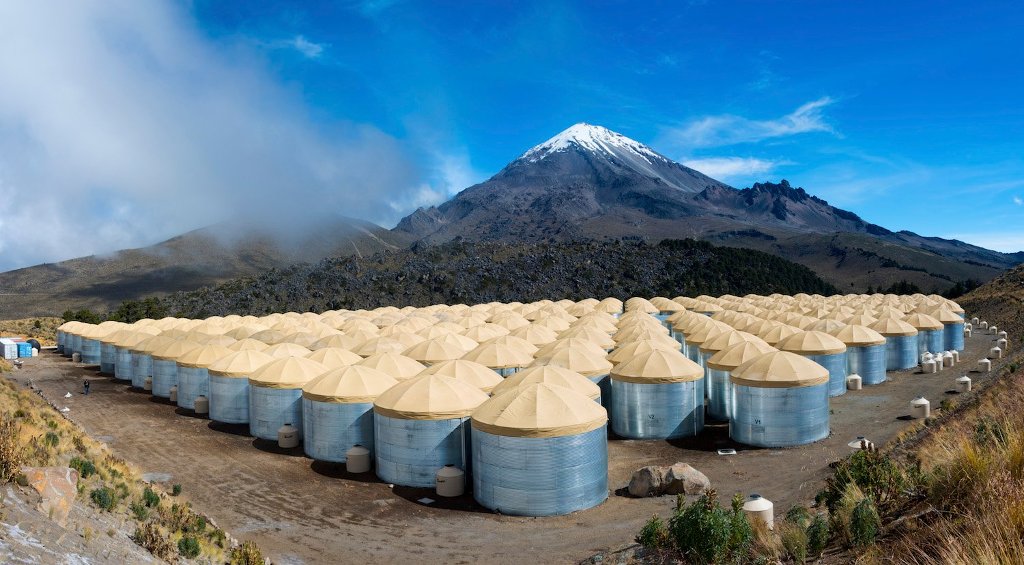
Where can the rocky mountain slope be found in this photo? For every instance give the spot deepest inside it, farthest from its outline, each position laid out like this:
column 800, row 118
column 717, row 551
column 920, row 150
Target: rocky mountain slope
column 199, row 258
column 1001, row 301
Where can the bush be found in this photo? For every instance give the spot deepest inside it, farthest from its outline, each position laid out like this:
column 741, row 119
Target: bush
column 149, row 536
column 150, row 498
column 654, row 534
column 794, row 540
column 188, row 547
column 247, row 554
column 817, row 535
column 51, row 439
column 175, row 490
column 864, row 523
column 104, row 497
column 218, row 537
column 139, row 510
column 11, row 454
column 799, row 515
column 877, row 475
column 989, row 431
column 84, row 467
column 199, row 525
column 706, row 533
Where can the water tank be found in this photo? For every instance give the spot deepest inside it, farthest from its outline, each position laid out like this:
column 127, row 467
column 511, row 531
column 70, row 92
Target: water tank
column 469, row 372
column 657, row 395
column 142, row 358
column 963, row 384
column 90, row 347
column 719, row 368
column 108, row 350
column 419, row 428
column 952, row 329
column 772, row 335
column 229, row 385
column 165, row 366
column 337, row 412
column 929, row 332
column 123, row 353
column 288, row 436
column 722, row 341
column 357, row 460
column 901, row 351
column 397, row 366
column 825, row 350
column 760, row 509
column 780, row 399
column 334, row 357
column 703, row 333
column 865, row 352
column 450, row 481
column 193, row 376
column 920, row 408
column 591, row 365
column 201, row 405
column 540, row 450
column 551, row 375
column 275, row 395
column 501, row 358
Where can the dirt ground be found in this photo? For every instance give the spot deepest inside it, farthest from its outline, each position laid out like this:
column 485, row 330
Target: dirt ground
column 299, row 511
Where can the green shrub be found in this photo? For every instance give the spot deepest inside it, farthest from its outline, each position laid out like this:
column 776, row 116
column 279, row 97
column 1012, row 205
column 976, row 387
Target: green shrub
column 706, row 533
column 817, row 535
column 149, row 536
column 104, row 497
column 247, row 554
column 84, row 467
column 51, row 439
column 199, row 525
column 654, row 534
column 150, row 498
column 218, row 537
column 875, row 474
column 139, row 510
column 175, row 490
column 188, row 547
column 19, row 413
column 864, row 523
column 794, row 540
column 799, row 515
column 989, row 431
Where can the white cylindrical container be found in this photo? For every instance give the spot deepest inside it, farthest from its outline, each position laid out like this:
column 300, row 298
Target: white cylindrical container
column 967, row 332
column 928, row 367
column 173, row 394
column 76, row 357
column 956, row 356
column 1001, row 334
column 993, row 330
column 287, row 436
column 1001, row 343
column 985, row 365
column 963, row 384
column 939, row 362
column 974, row 320
column 854, row 382
column 357, row 459
column 920, row 408
column 948, row 359
column 861, row 443
column 995, row 353
column 983, row 325
column 760, row 509
column 202, row 405
column 450, row 481
column 147, row 384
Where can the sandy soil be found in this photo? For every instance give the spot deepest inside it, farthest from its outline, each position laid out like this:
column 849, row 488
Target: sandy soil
column 305, row 512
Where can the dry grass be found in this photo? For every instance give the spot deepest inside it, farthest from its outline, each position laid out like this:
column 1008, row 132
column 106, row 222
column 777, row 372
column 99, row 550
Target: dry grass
column 42, row 329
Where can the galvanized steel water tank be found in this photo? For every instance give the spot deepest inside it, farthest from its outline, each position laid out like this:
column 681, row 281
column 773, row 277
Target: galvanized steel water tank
column 551, row 375
column 419, row 427
column 657, row 395
column 952, row 329
column 90, row 344
column 193, row 377
column 540, row 450
column 275, row 395
column 334, row 357
column 719, row 369
column 399, row 367
column 825, row 350
column 469, row 372
column 865, row 353
column 722, row 341
column 229, row 385
column 900, row 343
column 586, row 362
column 780, row 399
column 165, row 366
column 503, row 359
column 108, row 350
column 929, row 333
column 337, row 411
column 142, row 358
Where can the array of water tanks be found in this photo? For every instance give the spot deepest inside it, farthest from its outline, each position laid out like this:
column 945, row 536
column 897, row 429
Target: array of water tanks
column 520, row 397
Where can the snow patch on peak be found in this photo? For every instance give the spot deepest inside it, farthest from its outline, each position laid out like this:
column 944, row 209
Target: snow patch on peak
column 591, row 138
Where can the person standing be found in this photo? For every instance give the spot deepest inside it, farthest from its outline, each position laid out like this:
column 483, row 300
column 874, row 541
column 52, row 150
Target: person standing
column 86, row 386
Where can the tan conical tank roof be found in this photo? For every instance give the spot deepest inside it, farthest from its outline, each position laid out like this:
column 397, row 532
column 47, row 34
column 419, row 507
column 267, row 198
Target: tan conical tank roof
column 812, row 343
column 727, row 339
column 536, row 335
column 946, row 316
column 827, row 325
column 434, row 351
column 128, row 339
column 337, row 340
column 707, row 332
column 174, row 351
column 581, row 360
column 429, row 397
column 858, row 336
column 151, row 344
column 398, row 366
column 282, row 350
column 480, row 376
column 248, row 344
column 658, row 367
column 380, row 345
column 539, row 410
column 631, row 349
column 573, row 343
column 289, row 372
column 352, row 384
column 552, row 375
column 738, row 354
column 216, row 340
column 204, row 356
column 774, row 334
column 240, row 364
column 499, row 356
column 861, row 320
column 923, row 322
column 600, row 338
column 891, row 327
column 334, row 357
column 779, row 369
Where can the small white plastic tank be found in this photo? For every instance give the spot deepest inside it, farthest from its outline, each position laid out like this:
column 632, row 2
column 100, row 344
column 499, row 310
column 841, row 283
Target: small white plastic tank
column 920, row 408
column 760, row 509
column 450, row 481
column 963, row 384
column 357, row 459
column 854, row 382
column 287, row 436
column 202, row 405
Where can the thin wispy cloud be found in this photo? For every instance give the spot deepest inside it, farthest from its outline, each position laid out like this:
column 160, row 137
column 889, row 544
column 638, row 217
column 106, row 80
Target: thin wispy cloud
column 726, row 168
column 307, row 48
column 727, row 129
column 1018, row 201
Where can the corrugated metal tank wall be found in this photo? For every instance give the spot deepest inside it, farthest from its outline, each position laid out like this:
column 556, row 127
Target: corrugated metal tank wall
column 868, row 361
column 271, row 408
column 330, row 429
column 193, row 382
column 901, row 352
column 657, row 411
column 779, row 417
column 409, row 452
column 229, row 399
column 836, row 364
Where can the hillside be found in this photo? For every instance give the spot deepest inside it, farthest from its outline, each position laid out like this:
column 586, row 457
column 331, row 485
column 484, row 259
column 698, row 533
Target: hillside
column 466, row 272
column 1002, row 300
column 199, row 258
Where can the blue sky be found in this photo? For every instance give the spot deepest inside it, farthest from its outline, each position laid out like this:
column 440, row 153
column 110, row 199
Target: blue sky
column 908, row 113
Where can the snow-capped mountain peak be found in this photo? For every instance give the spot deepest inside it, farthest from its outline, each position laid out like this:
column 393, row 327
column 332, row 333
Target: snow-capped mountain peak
column 591, row 138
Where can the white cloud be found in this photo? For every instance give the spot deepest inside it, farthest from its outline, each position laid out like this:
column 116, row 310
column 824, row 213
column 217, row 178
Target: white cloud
column 1018, row 201
column 727, row 129
column 121, row 125
column 732, row 167
column 308, row 49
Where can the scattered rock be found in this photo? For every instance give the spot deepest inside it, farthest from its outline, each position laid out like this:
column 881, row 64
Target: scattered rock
column 57, row 486
column 647, row 481
column 681, row 478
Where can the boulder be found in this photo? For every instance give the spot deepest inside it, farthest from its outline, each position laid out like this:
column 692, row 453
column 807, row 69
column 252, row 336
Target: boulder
column 681, row 478
column 57, row 486
column 647, row 481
